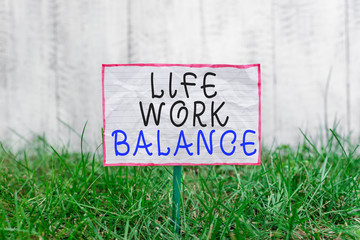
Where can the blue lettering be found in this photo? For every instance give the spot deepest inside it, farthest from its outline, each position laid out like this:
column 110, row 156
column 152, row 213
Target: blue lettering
column 232, row 142
column 141, row 136
column 123, row 142
column 244, row 143
column 186, row 146
column 209, row 149
column 158, row 143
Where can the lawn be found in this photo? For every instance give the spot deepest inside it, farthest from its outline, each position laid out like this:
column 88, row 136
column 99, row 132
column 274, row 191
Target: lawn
column 311, row 191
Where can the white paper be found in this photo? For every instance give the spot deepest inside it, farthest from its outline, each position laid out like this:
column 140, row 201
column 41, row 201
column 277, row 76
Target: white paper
column 236, row 95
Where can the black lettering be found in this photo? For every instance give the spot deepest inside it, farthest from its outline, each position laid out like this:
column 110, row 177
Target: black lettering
column 185, row 84
column 204, row 86
column 197, row 115
column 152, row 88
column 214, row 114
column 170, row 84
column 178, row 114
column 151, row 109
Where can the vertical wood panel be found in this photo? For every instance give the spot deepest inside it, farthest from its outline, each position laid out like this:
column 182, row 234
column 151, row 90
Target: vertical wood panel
column 354, row 70
column 30, row 107
column 5, row 36
column 166, row 31
column 309, row 45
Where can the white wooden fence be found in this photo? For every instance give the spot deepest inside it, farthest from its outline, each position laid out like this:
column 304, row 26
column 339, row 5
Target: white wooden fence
column 51, row 54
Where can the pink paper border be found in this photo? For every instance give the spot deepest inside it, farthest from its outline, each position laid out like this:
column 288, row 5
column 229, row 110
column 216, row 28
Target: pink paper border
column 103, row 107
column 180, row 65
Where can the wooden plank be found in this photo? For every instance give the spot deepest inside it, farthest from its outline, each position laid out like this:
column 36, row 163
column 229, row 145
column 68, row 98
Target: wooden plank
column 5, row 64
column 162, row 32
column 309, row 45
column 30, row 111
column 354, row 70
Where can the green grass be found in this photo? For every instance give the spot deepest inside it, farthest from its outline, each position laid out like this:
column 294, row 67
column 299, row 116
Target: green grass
column 306, row 192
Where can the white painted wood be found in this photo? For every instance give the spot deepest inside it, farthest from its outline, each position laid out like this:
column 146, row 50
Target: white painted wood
column 309, row 43
column 298, row 44
column 354, row 69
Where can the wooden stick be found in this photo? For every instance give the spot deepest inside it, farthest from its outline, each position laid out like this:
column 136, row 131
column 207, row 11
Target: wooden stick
column 176, row 198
